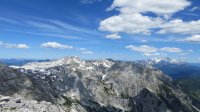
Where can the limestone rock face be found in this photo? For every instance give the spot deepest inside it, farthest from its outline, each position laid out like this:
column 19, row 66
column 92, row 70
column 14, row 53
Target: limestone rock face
column 72, row 84
column 10, row 104
column 13, row 82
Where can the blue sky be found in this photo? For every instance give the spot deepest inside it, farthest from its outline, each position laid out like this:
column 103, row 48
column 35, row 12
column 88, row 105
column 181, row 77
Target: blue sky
column 97, row 29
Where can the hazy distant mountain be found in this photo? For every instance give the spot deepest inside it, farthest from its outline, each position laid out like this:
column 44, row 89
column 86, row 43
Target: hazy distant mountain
column 174, row 68
column 187, row 75
column 19, row 62
column 75, row 85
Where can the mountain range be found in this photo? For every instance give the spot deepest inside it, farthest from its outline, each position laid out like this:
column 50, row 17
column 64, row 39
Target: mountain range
column 70, row 84
column 20, row 62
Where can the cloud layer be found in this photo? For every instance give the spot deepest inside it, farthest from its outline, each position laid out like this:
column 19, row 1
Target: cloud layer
column 143, row 48
column 130, row 24
column 16, row 46
column 55, row 45
column 151, row 50
column 181, row 27
column 132, row 19
column 194, row 38
column 155, row 6
column 171, row 49
column 113, row 36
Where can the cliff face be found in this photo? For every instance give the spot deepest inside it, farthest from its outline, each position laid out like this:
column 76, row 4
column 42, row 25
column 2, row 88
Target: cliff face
column 13, row 82
column 102, row 85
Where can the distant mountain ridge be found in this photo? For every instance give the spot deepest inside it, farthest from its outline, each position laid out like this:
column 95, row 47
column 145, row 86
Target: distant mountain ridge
column 20, row 62
column 174, row 68
column 164, row 60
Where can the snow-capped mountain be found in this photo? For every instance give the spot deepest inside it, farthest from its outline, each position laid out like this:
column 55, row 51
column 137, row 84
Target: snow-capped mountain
column 174, row 68
column 159, row 60
column 106, row 85
column 52, row 63
column 75, row 62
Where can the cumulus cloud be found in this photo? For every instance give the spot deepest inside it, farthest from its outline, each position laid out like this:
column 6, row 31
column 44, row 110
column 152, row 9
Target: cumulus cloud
column 194, row 38
column 179, row 26
column 129, row 23
column 154, row 51
column 131, row 19
column 85, row 51
column 143, row 48
column 171, row 49
column 19, row 46
column 151, row 54
column 155, row 54
column 113, row 36
column 155, row 6
column 55, row 45
column 10, row 45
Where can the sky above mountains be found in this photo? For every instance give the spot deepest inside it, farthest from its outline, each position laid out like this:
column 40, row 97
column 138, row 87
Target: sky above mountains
column 97, row 29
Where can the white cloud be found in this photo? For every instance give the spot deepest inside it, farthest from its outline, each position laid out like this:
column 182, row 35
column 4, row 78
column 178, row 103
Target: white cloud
column 151, row 54
column 143, row 41
column 155, row 54
column 155, row 6
column 154, row 51
column 10, row 45
column 131, row 19
column 21, row 46
column 179, row 26
column 171, row 49
column 143, row 48
column 55, row 45
column 194, row 38
column 113, row 36
column 129, row 23
column 85, row 51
